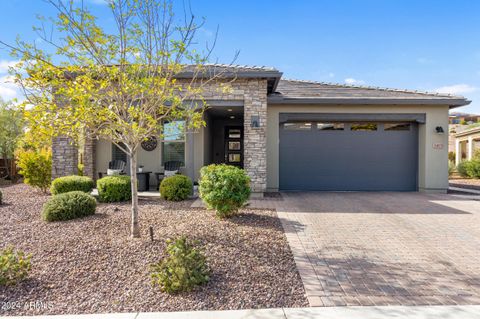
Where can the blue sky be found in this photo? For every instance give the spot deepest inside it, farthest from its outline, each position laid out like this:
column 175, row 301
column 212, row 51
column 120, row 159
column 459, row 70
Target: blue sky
column 425, row 45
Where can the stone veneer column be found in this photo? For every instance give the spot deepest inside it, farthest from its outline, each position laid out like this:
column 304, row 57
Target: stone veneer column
column 89, row 154
column 255, row 138
column 64, row 157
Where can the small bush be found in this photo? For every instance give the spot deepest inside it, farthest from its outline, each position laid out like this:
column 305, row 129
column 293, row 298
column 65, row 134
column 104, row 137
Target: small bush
column 72, row 183
column 473, row 168
column 224, row 188
column 35, row 167
column 176, row 188
column 68, row 206
column 14, row 266
column 461, row 169
column 451, row 156
column 183, row 269
column 451, row 168
column 114, row 188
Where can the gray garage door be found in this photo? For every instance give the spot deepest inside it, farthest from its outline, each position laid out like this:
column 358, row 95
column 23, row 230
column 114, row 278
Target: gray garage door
column 348, row 156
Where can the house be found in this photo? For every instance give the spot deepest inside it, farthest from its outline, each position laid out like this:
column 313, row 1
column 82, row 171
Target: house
column 466, row 142
column 463, row 118
column 301, row 135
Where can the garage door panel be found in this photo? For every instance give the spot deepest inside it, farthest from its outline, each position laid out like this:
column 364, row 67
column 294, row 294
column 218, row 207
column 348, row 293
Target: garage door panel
column 348, row 160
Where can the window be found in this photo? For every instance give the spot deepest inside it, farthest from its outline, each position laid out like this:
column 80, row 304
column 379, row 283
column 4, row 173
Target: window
column 234, row 158
column 173, row 146
column 396, row 126
column 234, row 133
column 118, row 154
column 363, row 127
column 330, row 126
column 234, row 146
column 299, row 126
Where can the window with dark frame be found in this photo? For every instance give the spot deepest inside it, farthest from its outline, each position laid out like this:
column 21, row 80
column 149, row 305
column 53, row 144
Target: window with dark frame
column 396, row 127
column 297, row 126
column 364, row 127
column 173, row 144
column 330, row 126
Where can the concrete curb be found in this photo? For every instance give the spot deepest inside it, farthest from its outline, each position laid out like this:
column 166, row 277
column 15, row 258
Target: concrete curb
column 384, row 312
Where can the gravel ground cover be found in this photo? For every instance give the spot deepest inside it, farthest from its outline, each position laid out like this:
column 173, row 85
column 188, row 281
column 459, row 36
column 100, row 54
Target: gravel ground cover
column 465, row 183
column 91, row 265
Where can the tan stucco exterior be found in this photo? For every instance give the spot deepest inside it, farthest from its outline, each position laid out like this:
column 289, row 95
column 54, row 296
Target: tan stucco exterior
column 432, row 152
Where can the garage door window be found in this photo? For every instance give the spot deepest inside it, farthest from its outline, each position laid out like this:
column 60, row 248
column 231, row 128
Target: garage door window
column 363, row 127
column 298, row 126
column 396, row 126
column 330, row 126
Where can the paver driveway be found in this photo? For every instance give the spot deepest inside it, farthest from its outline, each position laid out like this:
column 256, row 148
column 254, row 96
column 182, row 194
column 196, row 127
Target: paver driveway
column 384, row 248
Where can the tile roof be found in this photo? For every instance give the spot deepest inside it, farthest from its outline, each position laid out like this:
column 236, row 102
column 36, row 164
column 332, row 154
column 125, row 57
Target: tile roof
column 300, row 88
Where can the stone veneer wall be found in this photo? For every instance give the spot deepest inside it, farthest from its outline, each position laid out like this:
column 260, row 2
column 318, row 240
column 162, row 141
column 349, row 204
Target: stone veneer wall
column 64, row 157
column 253, row 93
column 89, row 155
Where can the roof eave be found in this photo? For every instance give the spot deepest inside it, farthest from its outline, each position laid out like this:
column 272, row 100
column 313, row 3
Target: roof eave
column 452, row 103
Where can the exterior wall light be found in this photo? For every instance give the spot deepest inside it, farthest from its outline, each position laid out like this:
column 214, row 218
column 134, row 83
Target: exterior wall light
column 255, row 121
column 439, row 130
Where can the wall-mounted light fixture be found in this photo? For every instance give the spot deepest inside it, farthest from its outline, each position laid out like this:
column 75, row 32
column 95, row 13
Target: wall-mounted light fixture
column 255, row 121
column 439, row 130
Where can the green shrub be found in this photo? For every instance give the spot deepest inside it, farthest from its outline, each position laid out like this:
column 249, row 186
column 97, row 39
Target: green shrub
column 184, row 268
column 72, row 183
column 461, row 169
column 68, row 206
column 35, row 167
column 451, row 168
column 451, row 156
column 114, row 188
column 224, row 188
column 473, row 168
column 176, row 187
column 14, row 266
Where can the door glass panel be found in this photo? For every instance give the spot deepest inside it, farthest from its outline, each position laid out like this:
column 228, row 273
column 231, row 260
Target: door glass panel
column 234, row 133
column 298, row 126
column 396, row 126
column 234, row 158
column 330, row 126
column 363, row 127
column 234, row 146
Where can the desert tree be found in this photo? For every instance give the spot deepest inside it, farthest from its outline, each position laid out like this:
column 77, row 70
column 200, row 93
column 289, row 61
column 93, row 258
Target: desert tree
column 120, row 83
column 12, row 130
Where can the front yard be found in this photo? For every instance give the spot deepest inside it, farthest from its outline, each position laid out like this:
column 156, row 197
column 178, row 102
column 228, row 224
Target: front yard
column 90, row 265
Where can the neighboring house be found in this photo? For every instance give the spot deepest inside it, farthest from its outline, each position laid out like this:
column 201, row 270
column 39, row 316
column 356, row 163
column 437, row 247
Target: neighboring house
column 301, row 135
column 466, row 142
column 463, row 118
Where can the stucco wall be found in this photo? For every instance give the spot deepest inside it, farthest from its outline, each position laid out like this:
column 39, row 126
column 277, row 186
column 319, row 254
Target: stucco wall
column 432, row 162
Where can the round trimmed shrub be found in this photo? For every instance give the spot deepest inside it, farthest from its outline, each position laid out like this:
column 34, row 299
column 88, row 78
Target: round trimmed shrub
column 176, row 188
column 72, row 183
column 224, row 188
column 114, row 188
column 68, row 206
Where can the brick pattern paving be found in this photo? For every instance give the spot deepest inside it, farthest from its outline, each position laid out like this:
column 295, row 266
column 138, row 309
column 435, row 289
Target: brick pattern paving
column 384, row 248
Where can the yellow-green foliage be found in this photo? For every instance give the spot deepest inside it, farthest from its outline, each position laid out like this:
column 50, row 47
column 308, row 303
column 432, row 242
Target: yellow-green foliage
column 184, row 268
column 176, row 188
column 35, row 167
column 14, row 266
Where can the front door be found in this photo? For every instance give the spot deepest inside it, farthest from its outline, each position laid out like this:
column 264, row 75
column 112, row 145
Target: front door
column 234, row 145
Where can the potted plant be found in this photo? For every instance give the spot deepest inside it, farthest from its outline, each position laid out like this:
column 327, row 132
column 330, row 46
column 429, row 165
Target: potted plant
column 140, row 168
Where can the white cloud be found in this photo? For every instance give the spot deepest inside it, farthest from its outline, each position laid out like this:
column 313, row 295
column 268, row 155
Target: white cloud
column 5, row 64
column 456, row 89
column 352, row 81
column 8, row 89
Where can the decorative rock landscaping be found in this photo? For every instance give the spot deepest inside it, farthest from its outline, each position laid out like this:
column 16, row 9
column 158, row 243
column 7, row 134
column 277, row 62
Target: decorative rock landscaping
column 90, row 265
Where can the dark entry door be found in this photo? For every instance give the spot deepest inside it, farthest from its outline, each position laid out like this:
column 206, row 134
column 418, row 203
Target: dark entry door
column 366, row 156
column 234, row 145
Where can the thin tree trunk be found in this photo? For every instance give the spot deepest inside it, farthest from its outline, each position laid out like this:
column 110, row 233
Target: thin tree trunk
column 135, row 227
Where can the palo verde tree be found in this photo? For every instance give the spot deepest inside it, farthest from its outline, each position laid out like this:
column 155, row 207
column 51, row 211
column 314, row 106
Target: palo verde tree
column 119, row 83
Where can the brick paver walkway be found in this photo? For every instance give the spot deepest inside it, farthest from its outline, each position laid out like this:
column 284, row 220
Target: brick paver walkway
column 384, row 248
